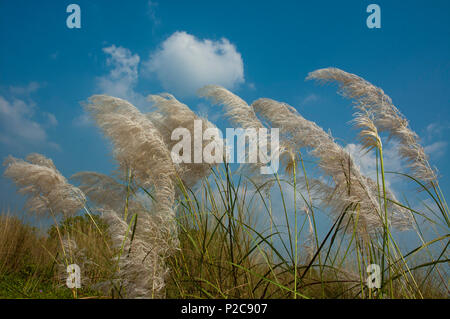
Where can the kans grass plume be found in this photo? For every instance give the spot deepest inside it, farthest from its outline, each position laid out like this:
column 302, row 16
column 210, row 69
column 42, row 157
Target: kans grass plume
column 139, row 148
column 142, row 267
column 352, row 191
column 47, row 189
column 243, row 116
column 386, row 117
column 102, row 190
column 171, row 114
column 237, row 110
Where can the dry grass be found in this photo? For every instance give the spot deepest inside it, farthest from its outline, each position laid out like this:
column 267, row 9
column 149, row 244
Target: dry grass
column 20, row 244
column 32, row 262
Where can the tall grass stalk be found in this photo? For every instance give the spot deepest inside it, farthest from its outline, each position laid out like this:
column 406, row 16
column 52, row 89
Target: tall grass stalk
column 212, row 231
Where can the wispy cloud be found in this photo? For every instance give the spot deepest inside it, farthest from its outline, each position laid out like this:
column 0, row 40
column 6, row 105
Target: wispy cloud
column 26, row 90
column 310, row 99
column 124, row 71
column 54, row 55
column 151, row 11
column 50, row 119
column 123, row 75
column 435, row 146
column 184, row 64
column 436, row 149
column 120, row 81
column 436, row 129
column 19, row 119
column 82, row 120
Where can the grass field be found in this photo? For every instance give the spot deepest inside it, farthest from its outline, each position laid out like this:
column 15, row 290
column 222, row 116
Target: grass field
column 154, row 229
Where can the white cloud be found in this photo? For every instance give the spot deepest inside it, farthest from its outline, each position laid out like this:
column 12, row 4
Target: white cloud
column 435, row 130
column 123, row 75
column 432, row 128
column 151, row 11
column 435, row 146
column 51, row 119
column 120, row 81
column 436, row 149
column 25, row 90
column 310, row 98
column 82, row 120
column 184, row 63
column 17, row 122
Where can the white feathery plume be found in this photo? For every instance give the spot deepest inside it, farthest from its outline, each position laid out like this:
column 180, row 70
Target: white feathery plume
column 141, row 266
column 386, row 117
column 399, row 217
column 364, row 119
column 142, row 269
column 239, row 112
column 310, row 243
column 39, row 159
column 172, row 114
column 47, row 189
column 138, row 146
column 296, row 130
column 102, row 190
column 243, row 116
column 351, row 191
column 107, row 193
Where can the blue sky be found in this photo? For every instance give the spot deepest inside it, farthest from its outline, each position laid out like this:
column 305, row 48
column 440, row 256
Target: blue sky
column 256, row 48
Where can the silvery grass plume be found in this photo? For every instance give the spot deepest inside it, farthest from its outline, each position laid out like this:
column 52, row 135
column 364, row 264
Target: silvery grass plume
column 142, row 269
column 108, row 193
column 352, row 191
column 364, row 119
column 386, row 117
column 103, row 190
column 239, row 112
column 47, row 189
column 172, row 114
column 139, row 147
column 243, row 116
column 310, row 242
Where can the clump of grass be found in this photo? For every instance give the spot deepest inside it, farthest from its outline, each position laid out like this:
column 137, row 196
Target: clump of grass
column 195, row 231
column 31, row 260
column 19, row 244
